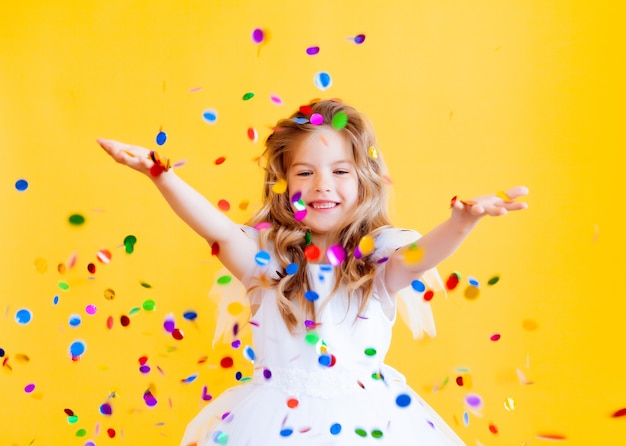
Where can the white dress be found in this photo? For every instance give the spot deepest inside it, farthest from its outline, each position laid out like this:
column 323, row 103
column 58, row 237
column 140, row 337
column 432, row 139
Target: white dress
column 323, row 385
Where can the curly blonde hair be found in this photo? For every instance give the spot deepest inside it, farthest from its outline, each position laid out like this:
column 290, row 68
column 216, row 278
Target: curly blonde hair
column 288, row 234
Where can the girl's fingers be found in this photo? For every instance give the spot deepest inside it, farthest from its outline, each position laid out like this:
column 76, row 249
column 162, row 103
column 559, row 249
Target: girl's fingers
column 517, row 191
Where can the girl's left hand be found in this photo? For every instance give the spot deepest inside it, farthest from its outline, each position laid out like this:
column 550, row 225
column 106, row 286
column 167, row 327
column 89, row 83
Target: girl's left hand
column 493, row 205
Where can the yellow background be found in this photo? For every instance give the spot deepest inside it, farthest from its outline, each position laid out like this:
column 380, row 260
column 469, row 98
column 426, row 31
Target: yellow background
column 468, row 97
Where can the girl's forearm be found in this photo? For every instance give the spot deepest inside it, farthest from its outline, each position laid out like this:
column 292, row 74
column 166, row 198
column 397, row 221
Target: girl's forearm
column 442, row 241
column 195, row 210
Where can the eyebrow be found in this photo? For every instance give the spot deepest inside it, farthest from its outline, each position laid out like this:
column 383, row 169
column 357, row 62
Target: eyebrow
column 303, row 164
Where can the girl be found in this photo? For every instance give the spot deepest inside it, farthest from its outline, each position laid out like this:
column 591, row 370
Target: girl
column 323, row 297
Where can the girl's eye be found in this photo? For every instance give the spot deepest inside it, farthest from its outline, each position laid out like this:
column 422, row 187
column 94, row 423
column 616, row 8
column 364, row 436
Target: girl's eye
column 304, row 174
column 341, row 172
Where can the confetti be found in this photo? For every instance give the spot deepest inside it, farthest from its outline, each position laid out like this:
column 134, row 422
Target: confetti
column 249, row 95
column 223, row 205
column 403, row 400
column 77, row 349
column 209, row 116
column 336, row 254
column 358, row 39
column 280, row 186
column 418, row 286
column 106, row 409
column 161, row 138
column 311, row 295
column 190, row 315
column 453, row 281
column 530, row 324
column 252, row 134
column 104, row 256
column 372, row 152
column 258, row 35
column 316, row 119
column 322, row 80
column 76, row 219
column 493, row 280
column 21, row 185
column 313, row 50
column 226, row 362
column 551, row 437
column 471, row 292
column 262, row 258
column 276, row 100
column 23, row 316
column 340, row 120
column 619, row 413
column 74, row 320
column 474, row 401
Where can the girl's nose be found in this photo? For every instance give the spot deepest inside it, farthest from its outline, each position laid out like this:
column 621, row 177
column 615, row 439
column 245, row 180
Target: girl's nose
column 322, row 184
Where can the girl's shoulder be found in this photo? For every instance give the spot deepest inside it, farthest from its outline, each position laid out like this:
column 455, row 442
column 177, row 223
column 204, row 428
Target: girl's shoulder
column 389, row 239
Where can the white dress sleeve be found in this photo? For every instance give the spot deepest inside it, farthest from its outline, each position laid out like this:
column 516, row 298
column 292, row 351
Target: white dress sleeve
column 413, row 309
column 231, row 296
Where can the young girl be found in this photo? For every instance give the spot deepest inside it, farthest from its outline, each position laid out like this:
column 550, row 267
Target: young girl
column 322, row 266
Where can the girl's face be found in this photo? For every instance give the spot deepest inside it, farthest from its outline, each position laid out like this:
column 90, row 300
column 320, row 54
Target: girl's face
column 322, row 169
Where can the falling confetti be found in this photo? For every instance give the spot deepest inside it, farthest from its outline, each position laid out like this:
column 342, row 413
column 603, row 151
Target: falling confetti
column 209, row 116
column 21, row 185
column 313, row 50
column 76, row 219
column 258, row 35
column 322, row 80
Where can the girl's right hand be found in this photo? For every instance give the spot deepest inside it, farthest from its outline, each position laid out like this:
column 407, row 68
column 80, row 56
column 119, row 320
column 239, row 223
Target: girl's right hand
column 135, row 157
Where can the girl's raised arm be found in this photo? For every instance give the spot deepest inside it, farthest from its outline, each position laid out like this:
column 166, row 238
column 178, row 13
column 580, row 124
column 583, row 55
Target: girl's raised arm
column 236, row 251
column 443, row 240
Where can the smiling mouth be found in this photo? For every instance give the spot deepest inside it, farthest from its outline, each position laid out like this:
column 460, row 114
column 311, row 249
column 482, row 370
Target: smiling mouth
column 324, row 205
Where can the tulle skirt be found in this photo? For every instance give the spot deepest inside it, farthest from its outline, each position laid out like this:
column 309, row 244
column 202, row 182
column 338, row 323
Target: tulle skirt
column 258, row 414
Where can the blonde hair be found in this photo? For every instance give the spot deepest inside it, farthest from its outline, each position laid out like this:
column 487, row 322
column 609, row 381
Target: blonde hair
column 288, row 235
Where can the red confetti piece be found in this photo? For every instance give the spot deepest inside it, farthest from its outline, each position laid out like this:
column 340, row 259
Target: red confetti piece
column 428, row 295
column 177, row 334
column 453, row 281
column 495, row 337
column 252, row 134
column 91, row 268
column 459, row 381
column 306, row 109
column 619, row 413
column 223, row 205
column 226, row 362
column 220, row 160
column 292, row 403
column 312, row 253
column 124, row 320
column 215, row 249
column 110, row 322
column 111, row 432
column 493, row 429
column 143, row 360
column 69, row 412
